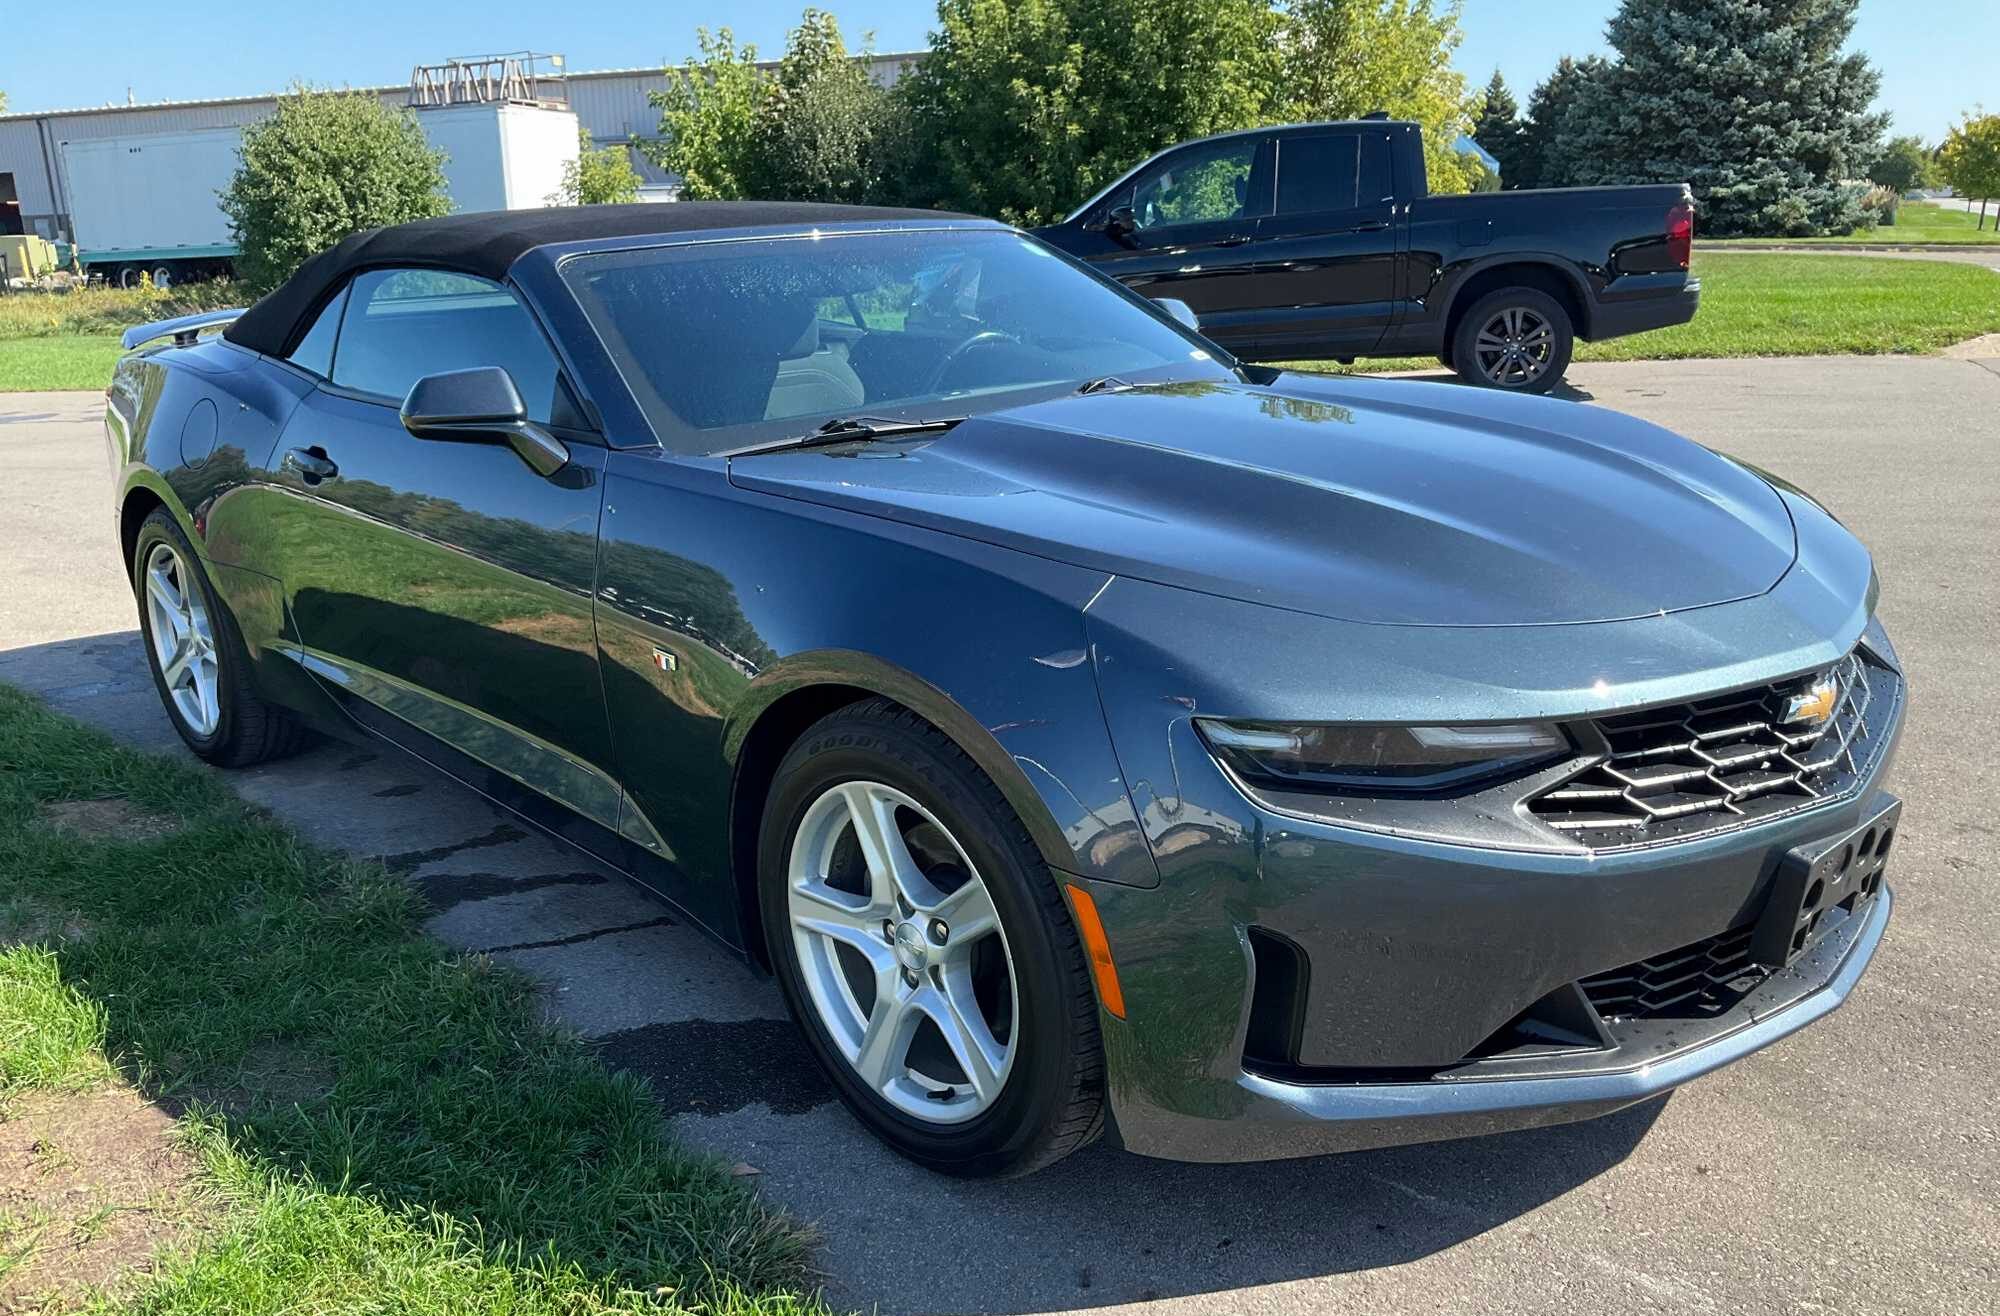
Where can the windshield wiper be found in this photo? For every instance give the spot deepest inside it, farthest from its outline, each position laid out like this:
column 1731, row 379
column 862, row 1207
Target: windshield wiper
column 1104, row 384
column 849, row 429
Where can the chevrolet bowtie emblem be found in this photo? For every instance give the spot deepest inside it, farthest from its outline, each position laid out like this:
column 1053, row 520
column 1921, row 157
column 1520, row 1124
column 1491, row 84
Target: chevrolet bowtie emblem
column 1816, row 704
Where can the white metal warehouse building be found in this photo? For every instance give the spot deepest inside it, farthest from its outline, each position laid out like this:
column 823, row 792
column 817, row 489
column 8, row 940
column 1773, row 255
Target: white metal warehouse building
column 610, row 105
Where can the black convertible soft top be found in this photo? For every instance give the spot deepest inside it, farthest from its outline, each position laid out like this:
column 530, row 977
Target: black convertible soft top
column 488, row 242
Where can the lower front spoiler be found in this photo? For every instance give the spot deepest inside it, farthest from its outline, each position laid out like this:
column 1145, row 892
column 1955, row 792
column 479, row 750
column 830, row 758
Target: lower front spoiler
column 1274, row 1120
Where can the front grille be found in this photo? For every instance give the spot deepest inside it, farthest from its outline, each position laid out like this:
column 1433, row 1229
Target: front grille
column 1694, row 982
column 1720, row 762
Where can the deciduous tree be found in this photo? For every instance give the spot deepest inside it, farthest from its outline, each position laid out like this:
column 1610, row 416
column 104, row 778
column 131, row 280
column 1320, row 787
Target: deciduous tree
column 1023, row 108
column 599, row 176
column 1970, row 160
column 1754, row 105
column 1905, row 162
column 818, row 121
column 1346, row 58
column 708, row 119
column 324, row 165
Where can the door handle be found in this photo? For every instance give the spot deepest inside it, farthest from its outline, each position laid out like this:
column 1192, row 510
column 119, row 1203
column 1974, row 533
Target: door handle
column 310, row 464
column 1372, row 226
column 1233, row 240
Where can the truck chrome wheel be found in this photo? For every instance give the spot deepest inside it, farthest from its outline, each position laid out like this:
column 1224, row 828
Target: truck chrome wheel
column 183, row 639
column 902, row 953
column 1514, row 347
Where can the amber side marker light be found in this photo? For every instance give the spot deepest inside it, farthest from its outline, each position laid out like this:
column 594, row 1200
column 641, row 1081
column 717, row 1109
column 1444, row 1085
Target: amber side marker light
column 1092, row 928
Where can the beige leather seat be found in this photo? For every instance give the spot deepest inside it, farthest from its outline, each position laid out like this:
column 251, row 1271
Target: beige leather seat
column 813, row 379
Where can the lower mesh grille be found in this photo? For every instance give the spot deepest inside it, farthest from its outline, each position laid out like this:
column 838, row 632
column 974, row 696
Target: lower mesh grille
column 1694, row 982
column 1680, row 771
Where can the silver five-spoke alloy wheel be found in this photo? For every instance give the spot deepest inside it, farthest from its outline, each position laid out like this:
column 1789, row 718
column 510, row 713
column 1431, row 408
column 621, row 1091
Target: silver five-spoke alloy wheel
column 183, row 639
column 902, row 952
column 1514, row 347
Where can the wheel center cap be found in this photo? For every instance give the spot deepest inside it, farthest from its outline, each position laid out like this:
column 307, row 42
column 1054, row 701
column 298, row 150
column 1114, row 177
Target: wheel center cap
column 913, row 950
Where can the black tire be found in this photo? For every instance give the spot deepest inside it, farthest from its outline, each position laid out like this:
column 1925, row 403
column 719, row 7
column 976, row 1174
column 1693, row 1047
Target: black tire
column 1530, row 303
column 1052, row 1100
column 248, row 728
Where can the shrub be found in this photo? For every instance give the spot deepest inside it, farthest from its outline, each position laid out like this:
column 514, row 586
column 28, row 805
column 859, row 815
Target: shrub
column 324, row 165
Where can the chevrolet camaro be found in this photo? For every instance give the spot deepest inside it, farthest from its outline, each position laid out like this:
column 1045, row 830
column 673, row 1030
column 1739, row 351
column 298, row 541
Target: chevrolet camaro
column 1092, row 734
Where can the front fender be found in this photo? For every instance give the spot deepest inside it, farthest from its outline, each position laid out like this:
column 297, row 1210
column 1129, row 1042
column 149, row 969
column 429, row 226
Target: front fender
column 715, row 604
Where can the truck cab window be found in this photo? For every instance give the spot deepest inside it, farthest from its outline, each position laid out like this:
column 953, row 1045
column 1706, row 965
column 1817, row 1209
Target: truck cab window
column 1197, row 187
column 1318, row 173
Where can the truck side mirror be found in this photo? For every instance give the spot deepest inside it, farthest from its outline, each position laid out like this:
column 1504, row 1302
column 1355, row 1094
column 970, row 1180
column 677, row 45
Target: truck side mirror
column 1120, row 223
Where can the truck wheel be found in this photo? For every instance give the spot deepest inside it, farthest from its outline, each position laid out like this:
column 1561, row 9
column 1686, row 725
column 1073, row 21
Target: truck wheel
column 1518, row 339
column 129, row 276
column 163, row 277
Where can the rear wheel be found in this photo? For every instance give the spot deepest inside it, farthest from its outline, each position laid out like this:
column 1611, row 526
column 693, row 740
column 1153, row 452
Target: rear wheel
column 1517, row 339
column 924, row 949
column 198, row 660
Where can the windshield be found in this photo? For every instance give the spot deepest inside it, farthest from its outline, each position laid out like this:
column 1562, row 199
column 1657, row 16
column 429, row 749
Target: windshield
column 729, row 344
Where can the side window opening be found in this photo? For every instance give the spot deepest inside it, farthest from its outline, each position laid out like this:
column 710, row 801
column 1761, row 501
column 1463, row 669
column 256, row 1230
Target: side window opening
column 403, row 324
column 315, row 351
column 1198, row 187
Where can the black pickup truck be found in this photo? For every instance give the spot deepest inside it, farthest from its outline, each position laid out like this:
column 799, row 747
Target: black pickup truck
column 1323, row 241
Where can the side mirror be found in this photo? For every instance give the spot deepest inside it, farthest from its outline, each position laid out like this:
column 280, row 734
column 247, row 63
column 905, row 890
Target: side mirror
column 480, row 405
column 1120, row 223
column 1180, row 310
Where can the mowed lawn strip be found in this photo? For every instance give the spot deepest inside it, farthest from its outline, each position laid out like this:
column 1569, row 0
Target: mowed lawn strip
column 1917, row 222
column 387, row 1125
column 33, row 365
column 1798, row 305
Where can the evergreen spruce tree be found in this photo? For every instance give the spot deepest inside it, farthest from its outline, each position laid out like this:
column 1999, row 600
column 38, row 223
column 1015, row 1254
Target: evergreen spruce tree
column 1545, row 158
column 1499, row 129
column 1750, row 101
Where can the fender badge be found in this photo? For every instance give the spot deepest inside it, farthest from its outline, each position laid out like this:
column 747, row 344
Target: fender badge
column 665, row 661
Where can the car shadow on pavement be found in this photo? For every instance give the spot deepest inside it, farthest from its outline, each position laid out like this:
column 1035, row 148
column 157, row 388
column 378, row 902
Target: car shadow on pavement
column 733, row 1076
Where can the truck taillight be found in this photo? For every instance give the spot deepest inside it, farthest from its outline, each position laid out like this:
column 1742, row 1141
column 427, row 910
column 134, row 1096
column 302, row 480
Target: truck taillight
column 1680, row 232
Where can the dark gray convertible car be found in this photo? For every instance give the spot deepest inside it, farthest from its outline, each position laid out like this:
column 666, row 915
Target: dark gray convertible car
column 1092, row 734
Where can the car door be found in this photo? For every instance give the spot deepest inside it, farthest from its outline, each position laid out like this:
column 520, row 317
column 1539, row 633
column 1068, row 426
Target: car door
column 1326, row 256
column 1194, row 214
column 443, row 590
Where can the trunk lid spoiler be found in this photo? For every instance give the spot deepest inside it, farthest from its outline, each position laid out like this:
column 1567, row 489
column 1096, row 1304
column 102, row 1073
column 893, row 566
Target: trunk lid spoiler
column 184, row 329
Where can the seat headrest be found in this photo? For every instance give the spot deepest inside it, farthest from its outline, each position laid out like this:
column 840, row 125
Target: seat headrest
column 808, row 341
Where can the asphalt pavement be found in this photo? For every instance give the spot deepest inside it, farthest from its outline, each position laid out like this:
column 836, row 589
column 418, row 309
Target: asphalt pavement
column 1852, row 1168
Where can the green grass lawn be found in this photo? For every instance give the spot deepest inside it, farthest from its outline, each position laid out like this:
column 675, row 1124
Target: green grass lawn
column 432, row 1145
column 1916, row 222
column 70, row 361
column 1786, row 305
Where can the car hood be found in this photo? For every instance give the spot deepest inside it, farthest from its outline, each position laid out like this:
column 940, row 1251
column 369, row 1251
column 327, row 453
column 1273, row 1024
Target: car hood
column 1374, row 501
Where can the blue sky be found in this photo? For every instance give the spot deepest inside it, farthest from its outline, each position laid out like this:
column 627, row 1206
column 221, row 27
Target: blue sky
column 1937, row 57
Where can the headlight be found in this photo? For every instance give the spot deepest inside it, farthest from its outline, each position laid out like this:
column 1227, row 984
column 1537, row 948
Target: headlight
column 1378, row 760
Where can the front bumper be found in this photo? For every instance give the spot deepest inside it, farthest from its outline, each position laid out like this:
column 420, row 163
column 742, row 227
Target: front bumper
column 1273, row 1119
column 1418, row 963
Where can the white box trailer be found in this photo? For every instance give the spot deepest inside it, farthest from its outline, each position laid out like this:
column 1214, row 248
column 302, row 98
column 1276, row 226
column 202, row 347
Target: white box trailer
column 149, row 203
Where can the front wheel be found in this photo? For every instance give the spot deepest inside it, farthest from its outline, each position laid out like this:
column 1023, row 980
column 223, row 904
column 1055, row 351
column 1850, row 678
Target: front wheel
column 924, row 949
column 1518, row 339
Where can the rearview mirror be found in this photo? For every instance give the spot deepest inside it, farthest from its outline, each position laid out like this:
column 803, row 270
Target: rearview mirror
column 1180, row 310
column 480, row 405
